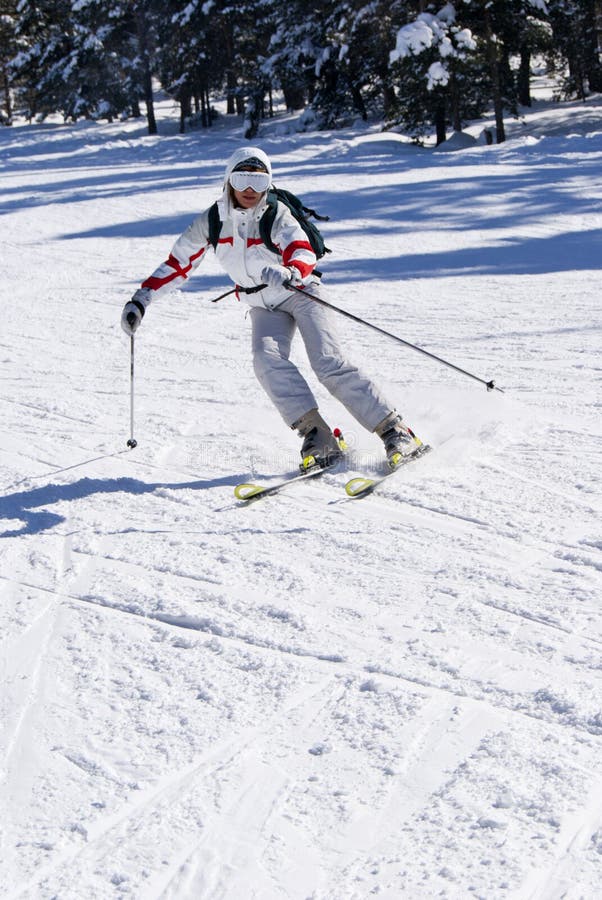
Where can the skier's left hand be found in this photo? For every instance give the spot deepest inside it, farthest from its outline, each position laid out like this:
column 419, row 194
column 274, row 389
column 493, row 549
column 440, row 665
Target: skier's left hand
column 277, row 276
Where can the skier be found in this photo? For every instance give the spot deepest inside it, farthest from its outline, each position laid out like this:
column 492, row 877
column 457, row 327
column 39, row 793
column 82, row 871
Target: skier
column 277, row 312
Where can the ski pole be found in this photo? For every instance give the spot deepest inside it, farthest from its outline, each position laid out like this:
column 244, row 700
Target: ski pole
column 221, row 296
column 488, row 384
column 259, row 287
column 132, row 442
column 242, row 290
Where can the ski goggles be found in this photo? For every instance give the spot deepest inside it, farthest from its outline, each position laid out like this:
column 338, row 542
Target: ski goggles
column 258, row 181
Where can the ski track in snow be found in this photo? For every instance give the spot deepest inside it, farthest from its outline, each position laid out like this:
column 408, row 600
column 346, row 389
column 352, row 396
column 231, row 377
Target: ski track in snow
column 309, row 697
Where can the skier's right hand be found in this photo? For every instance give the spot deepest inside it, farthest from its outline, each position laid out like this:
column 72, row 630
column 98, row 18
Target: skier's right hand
column 134, row 310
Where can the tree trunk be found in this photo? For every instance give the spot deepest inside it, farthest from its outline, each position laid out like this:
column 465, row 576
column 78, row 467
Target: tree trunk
column 494, row 68
column 440, row 130
column 577, row 78
column 230, row 93
column 7, row 98
column 147, row 76
column 454, row 96
column 594, row 69
column 358, row 101
column 294, row 96
column 253, row 115
column 148, row 99
column 598, row 28
column 389, row 99
column 185, row 111
column 523, row 82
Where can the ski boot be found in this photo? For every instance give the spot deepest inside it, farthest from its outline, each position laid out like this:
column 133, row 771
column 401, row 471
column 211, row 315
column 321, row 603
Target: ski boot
column 399, row 440
column 320, row 446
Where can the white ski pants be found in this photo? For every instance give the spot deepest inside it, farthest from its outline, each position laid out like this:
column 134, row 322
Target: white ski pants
column 273, row 332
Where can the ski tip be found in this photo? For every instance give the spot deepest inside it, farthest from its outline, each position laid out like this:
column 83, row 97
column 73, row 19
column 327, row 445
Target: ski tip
column 359, row 485
column 247, row 491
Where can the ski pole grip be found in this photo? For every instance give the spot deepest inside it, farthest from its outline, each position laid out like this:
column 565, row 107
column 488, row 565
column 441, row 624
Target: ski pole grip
column 131, row 319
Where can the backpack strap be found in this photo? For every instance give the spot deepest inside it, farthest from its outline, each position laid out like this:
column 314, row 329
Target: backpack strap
column 297, row 207
column 215, row 225
column 267, row 220
column 311, row 212
column 265, row 223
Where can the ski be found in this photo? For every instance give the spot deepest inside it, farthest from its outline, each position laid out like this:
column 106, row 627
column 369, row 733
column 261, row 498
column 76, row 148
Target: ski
column 362, row 486
column 312, row 468
column 248, row 492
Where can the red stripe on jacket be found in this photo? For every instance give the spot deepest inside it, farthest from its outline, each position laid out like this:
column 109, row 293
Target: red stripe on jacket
column 305, row 268
column 179, row 271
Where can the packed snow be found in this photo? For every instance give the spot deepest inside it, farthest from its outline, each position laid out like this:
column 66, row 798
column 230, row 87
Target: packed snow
column 310, row 696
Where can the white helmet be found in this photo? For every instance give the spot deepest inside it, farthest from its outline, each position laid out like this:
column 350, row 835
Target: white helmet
column 248, row 156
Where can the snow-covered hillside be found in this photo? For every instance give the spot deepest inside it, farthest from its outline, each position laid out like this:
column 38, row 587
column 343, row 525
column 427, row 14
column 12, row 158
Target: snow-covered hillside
column 312, row 697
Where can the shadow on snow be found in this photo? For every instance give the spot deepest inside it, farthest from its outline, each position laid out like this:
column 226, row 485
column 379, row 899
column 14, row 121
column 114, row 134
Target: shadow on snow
column 28, row 507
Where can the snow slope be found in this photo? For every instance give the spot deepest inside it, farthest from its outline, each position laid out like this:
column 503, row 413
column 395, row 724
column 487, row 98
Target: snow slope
column 311, row 697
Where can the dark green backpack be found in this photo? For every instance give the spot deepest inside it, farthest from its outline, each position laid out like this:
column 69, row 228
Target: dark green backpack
column 301, row 213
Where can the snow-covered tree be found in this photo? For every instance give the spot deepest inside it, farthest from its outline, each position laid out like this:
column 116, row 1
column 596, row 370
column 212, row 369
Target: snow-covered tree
column 577, row 44
column 239, row 36
column 44, row 33
column 251, row 26
column 85, row 58
column 417, row 63
column 353, row 75
column 434, row 85
column 189, row 58
column 8, row 49
column 461, row 54
column 92, row 70
column 502, row 24
column 294, row 48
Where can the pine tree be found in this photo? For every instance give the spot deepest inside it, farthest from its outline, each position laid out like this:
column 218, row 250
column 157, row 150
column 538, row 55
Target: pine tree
column 577, row 33
column 499, row 25
column 352, row 66
column 238, row 37
column 92, row 74
column 294, row 48
column 439, row 74
column 251, row 26
column 136, row 24
column 98, row 58
column 191, row 60
column 45, row 39
column 365, row 36
column 8, row 49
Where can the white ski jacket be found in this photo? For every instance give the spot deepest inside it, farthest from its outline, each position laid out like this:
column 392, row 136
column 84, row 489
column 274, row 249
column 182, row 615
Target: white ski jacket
column 240, row 249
